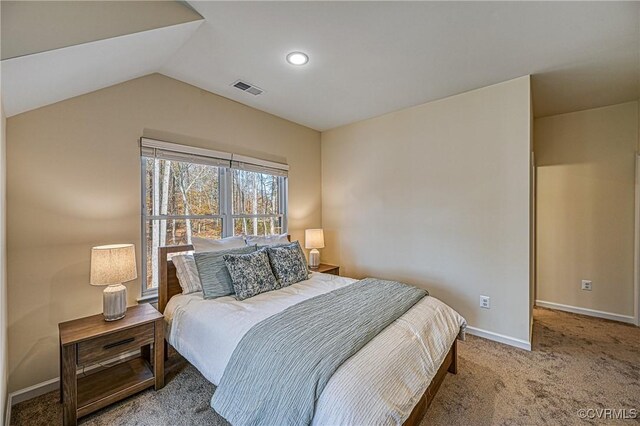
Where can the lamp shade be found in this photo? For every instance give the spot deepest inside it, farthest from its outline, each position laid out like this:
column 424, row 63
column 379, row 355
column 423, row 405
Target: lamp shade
column 113, row 264
column 313, row 238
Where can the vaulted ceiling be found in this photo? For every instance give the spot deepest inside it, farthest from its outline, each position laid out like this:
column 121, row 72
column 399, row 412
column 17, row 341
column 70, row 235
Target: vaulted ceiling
column 366, row 59
column 52, row 51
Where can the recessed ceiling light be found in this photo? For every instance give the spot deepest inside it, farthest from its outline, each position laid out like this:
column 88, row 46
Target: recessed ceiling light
column 297, row 58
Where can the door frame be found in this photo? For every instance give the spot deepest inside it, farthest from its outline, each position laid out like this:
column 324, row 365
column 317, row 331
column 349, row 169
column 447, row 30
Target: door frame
column 636, row 257
column 533, row 243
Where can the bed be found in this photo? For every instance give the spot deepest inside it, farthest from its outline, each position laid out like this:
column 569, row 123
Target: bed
column 391, row 380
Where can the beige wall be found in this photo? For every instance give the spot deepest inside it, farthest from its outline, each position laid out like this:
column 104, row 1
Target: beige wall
column 73, row 181
column 585, row 209
column 438, row 196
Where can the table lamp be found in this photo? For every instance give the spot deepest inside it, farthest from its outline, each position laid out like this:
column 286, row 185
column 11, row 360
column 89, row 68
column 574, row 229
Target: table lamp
column 113, row 265
column 314, row 239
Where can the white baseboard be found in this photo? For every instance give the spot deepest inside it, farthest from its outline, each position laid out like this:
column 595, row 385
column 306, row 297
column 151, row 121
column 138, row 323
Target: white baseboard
column 33, row 391
column 500, row 338
column 586, row 311
column 7, row 412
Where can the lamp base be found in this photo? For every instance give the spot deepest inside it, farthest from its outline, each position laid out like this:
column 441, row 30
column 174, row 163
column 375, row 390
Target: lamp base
column 114, row 302
column 314, row 259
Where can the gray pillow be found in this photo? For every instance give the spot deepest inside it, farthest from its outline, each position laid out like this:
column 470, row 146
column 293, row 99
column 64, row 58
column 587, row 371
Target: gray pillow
column 214, row 276
column 288, row 263
column 250, row 273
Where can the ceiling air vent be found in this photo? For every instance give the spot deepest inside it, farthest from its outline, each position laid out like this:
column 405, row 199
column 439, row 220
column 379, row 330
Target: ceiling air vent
column 247, row 87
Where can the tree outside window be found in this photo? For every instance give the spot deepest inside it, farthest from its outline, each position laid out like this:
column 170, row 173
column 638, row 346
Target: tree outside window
column 184, row 199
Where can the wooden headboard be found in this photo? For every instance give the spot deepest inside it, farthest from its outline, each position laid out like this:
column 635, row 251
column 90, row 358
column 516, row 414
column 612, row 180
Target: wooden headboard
column 168, row 285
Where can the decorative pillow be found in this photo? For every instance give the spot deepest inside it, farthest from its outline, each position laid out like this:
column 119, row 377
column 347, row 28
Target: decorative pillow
column 288, row 263
column 304, row 258
column 187, row 273
column 268, row 240
column 215, row 279
column 209, row 244
column 250, row 273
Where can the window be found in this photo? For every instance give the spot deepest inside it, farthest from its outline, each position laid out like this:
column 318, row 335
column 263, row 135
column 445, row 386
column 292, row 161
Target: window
column 187, row 194
column 256, row 206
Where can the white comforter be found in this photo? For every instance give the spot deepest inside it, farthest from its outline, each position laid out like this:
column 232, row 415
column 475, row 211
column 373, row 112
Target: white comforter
column 379, row 385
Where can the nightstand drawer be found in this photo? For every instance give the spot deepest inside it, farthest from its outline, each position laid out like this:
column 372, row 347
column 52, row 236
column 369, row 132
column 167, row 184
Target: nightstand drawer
column 114, row 344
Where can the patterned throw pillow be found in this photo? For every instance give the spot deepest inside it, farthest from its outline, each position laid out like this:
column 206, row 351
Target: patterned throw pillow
column 303, row 257
column 214, row 276
column 250, row 273
column 288, row 263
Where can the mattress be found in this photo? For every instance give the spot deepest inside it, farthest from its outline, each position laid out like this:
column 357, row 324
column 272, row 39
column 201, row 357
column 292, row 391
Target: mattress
column 380, row 384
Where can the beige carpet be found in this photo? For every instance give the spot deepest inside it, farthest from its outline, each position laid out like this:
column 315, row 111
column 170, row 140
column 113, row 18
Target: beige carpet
column 577, row 363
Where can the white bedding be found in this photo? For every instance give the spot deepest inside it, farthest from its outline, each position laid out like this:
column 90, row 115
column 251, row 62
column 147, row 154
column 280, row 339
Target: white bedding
column 379, row 385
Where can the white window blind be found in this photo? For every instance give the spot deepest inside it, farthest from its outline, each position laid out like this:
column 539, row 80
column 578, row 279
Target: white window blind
column 169, row 151
column 152, row 148
column 258, row 168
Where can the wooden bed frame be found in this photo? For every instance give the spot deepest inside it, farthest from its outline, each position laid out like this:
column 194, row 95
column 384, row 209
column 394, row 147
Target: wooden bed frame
column 168, row 286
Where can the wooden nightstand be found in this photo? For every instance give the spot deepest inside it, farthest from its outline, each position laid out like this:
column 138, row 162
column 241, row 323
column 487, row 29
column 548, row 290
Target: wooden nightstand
column 327, row 269
column 92, row 340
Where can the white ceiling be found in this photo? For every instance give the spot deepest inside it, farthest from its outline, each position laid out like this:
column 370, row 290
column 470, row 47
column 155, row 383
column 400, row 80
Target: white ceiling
column 30, row 27
column 368, row 58
column 33, row 81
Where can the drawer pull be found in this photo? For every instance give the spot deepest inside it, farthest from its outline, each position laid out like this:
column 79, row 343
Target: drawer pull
column 121, row 342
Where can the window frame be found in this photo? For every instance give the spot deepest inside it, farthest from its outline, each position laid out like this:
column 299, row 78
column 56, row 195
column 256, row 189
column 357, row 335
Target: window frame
column 225, row 202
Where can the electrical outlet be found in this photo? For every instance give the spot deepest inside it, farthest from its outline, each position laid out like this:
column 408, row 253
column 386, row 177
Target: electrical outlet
column 586, row 285
column 485, row 302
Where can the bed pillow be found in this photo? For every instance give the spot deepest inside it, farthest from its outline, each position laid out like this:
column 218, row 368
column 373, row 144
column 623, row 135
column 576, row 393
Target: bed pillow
column 187, row 273
column 299, row 248
column 214, row 276
column 288, row 263
column 250, row 273
column 268, row 240
column 210, row 244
